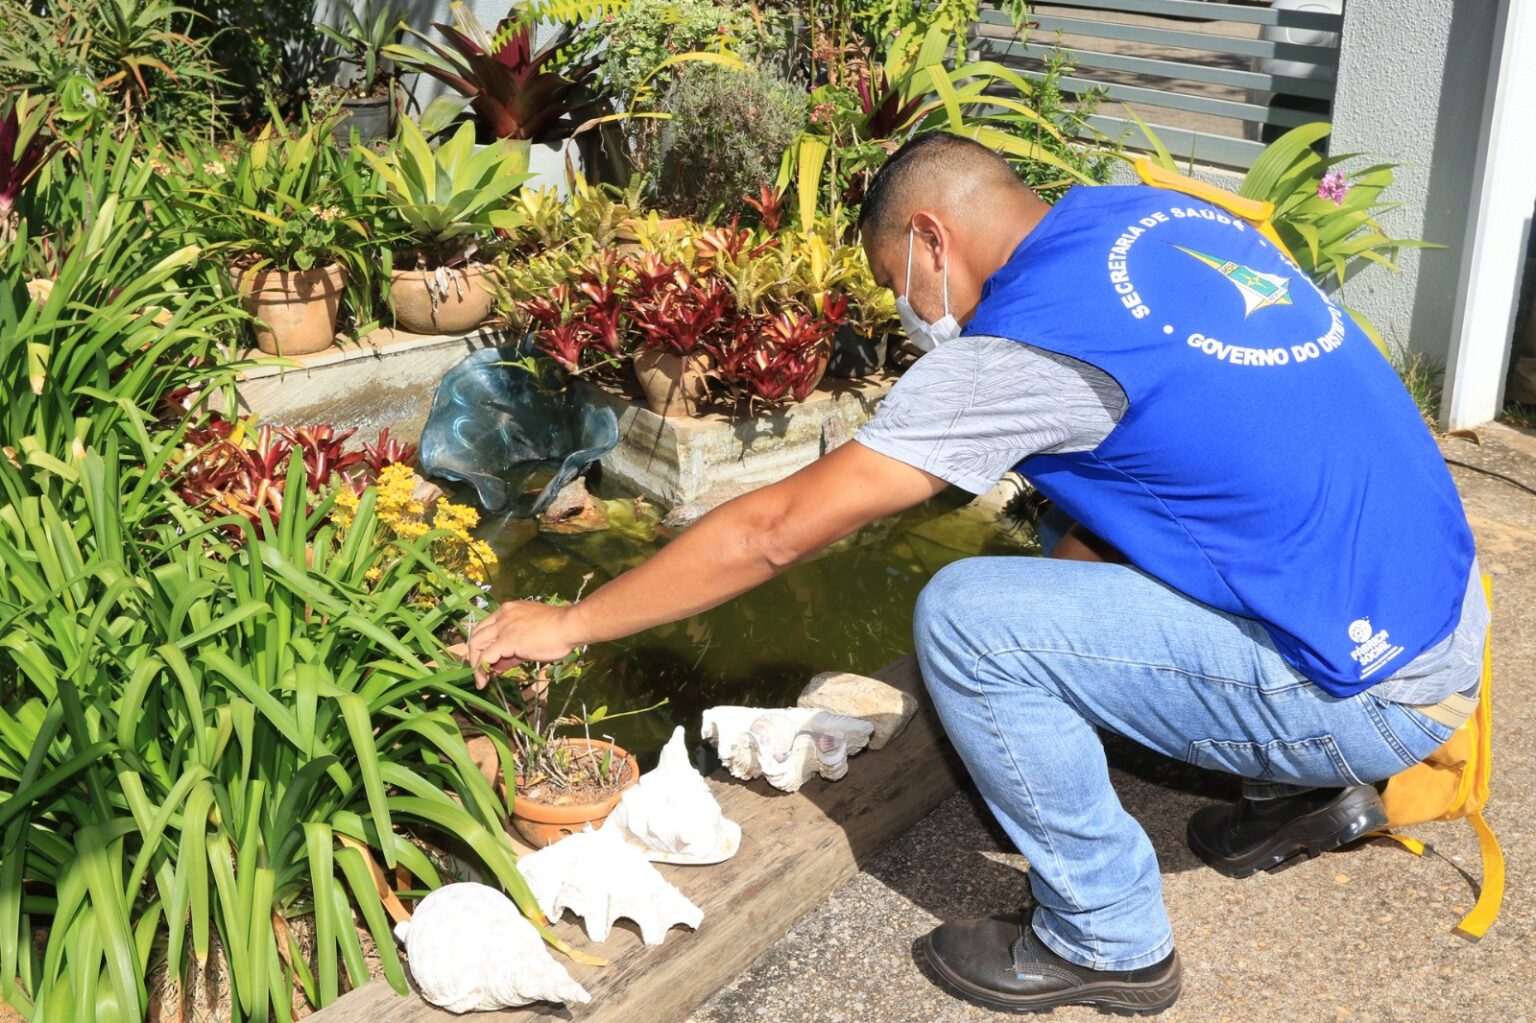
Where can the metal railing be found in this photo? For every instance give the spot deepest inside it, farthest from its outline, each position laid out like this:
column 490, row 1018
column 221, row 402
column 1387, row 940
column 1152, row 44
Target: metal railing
column 1215, row 79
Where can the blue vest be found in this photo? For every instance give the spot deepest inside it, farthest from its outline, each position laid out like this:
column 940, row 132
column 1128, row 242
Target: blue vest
column 1269, row 463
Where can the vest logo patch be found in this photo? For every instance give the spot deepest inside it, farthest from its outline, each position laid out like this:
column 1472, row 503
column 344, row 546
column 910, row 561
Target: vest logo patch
column 1373, row 647
column 1259, row 290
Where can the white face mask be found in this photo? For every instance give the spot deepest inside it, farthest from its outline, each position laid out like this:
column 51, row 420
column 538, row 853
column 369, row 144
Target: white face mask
column 926, row 336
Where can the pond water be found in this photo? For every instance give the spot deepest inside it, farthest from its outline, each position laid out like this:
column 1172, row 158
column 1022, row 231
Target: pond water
column 849, row 609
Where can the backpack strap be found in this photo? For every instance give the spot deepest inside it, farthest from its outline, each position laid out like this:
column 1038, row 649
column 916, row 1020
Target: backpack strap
column 1257, row 212
column 1476, row 923
column 1468, row 801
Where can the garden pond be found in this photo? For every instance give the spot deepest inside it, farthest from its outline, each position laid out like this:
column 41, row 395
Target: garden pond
column 845, row 610
column 849, row 609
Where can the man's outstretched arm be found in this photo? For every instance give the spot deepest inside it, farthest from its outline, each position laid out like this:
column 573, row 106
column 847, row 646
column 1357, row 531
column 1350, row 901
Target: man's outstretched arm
column 737, row 546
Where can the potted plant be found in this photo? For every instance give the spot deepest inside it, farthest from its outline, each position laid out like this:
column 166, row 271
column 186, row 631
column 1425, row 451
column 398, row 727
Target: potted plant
column 563, row 779
column 447, row 201
column 368, row 97
column 860, row 345
column 677, row 314
column 513, row 89
column 284, row 206
column 752, row 310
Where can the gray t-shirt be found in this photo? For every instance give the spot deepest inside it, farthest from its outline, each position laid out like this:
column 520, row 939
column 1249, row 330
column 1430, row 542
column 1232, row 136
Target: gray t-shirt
column 972, row 409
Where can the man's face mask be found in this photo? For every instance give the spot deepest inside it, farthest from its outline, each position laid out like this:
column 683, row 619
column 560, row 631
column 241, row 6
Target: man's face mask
column 926, row 336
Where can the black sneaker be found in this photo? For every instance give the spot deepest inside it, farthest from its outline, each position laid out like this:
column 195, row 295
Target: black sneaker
column 1262, row 834
column 1000, row 963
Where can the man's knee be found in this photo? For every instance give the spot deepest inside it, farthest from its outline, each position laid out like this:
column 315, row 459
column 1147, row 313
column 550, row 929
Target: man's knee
column 949, row 604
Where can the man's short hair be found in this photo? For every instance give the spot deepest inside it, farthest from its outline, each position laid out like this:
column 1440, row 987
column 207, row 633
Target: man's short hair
column 909, row 178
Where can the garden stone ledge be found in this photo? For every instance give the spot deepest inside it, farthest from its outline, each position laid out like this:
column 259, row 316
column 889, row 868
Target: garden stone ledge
column 673, row 461
column 385, row 379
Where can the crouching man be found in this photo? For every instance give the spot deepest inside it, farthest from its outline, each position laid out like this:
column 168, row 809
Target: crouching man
column 1262, row 565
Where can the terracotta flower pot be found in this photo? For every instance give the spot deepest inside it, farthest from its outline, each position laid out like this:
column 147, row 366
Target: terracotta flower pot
column 673, row 384
column 446, row 301
column 543, row 824
column 823, row 360
column 295, row 309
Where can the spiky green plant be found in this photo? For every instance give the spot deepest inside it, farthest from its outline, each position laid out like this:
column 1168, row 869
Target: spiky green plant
column 201, row 741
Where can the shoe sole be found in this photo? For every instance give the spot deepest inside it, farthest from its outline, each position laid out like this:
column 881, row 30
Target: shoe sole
column 1119, row 998
column 1312, row 835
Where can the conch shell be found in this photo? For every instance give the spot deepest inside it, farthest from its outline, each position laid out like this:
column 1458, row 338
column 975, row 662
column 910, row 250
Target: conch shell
column 600, row 877
column 469, row 948
column 788, row 746
column 671, row 815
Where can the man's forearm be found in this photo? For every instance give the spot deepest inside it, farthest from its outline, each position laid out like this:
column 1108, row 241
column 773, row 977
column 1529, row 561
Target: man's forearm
column 721, row 556
column 732, row 549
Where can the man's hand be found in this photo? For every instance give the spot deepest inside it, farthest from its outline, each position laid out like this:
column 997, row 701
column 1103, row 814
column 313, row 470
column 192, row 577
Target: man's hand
column 516, row 632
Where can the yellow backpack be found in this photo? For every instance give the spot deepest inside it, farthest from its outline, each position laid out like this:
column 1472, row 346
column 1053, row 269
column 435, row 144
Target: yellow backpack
column 1452, row 782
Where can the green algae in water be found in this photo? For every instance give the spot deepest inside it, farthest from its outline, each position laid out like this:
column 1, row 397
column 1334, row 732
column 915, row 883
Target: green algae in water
column 849, row 609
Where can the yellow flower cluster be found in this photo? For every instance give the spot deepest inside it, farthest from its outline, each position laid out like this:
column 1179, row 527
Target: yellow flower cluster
column 403, row 519
column 344, row 511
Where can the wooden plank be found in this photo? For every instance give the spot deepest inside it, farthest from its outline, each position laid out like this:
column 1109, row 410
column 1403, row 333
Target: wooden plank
column 796, row 849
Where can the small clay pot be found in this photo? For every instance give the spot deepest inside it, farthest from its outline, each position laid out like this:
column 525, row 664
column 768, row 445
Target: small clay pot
column 541, row 824
column 295, row 309
column 674, row 385
column 467, row 304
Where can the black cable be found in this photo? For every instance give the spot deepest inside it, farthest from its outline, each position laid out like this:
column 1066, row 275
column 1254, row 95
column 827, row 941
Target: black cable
column 1489, row 472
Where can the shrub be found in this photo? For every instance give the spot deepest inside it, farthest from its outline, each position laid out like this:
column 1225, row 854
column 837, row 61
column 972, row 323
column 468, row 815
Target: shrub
column 112, row 64
column 725, row 137
column 643, row 33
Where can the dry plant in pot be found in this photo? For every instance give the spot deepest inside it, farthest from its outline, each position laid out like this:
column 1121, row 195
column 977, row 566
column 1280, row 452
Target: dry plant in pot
column 447, row 202
column 565, row 775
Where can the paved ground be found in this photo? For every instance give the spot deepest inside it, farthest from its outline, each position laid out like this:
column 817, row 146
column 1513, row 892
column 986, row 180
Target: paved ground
column 1361, row 935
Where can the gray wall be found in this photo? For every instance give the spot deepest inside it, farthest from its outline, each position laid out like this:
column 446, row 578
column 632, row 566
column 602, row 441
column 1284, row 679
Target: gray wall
column 1412, row 80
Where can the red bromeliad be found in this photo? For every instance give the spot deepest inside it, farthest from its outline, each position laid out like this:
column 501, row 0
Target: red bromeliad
column 513, row 88
column 387, row 451
column 226, row 473
column 768, row 349
column 322, row 449
column 769, row 204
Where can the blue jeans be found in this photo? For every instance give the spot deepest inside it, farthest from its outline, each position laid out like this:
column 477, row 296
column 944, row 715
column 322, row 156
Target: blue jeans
column 1026, row 657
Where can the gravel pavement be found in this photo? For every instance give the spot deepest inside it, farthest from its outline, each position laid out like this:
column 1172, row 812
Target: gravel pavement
column 1362, row 935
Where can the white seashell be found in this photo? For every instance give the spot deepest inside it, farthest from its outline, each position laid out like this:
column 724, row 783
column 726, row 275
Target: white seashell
column 600, row 877
column 671, row 815
column 788, row 746
column 469, row 948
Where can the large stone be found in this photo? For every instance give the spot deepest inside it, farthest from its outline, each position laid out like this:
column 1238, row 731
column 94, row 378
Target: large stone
column 574, row 510
column 884, row 706
column 685, row 515
column 834, row 434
